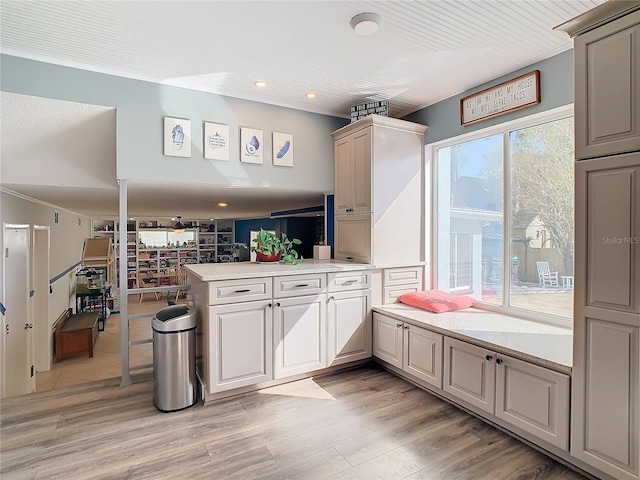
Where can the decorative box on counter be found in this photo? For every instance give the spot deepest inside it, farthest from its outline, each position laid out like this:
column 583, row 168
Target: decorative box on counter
column 321, row 252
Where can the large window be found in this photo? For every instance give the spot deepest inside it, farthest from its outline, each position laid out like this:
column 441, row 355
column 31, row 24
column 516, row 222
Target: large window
column 510, row 182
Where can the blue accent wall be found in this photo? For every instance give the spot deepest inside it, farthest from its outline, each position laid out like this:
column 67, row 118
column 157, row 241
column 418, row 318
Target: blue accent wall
column 330, row 222
column 244, row 227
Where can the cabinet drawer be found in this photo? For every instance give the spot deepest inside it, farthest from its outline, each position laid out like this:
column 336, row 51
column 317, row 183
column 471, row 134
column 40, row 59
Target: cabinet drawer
column 340, row 282
column 402, row 276
column 391, row 294
column 295, row 285
column 353, row 238
column 245, row 290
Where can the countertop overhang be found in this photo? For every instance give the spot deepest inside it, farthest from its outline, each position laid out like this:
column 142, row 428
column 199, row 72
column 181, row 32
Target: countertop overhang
column 208, row 272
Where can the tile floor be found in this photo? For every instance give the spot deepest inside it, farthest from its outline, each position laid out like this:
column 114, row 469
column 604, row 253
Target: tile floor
column 106, row 356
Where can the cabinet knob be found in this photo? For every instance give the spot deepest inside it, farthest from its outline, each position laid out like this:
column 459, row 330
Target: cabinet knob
column 269, row 305
column 499, row 361
column 489, row 358
column 406, row 327
column 330, row 298
column 277, row 304
column 398, row 325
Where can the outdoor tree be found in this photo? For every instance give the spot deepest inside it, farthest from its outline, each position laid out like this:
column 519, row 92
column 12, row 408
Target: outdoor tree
column 542, row 165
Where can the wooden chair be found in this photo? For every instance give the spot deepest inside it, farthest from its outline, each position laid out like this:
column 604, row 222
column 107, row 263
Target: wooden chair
column 181, row 276
column 143, row 283
column 545, row 275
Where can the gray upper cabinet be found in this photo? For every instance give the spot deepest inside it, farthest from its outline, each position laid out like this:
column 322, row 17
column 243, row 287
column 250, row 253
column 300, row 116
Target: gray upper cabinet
column 607, row 90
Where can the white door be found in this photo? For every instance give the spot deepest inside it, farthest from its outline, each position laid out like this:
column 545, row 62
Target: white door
column 18, row 364
column 240, row 335
column 387, row 339
column 423, row 354
column 470, row 373
column 43, row 340
column 349, row 315
column 299, row 335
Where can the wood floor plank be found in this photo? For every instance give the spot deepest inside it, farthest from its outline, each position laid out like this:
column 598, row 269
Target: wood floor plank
column 363, row 423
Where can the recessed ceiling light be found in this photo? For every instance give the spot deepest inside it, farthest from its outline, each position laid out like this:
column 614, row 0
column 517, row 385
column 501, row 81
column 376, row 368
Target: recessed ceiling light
column 259, row 84
column 366, row 24
column 222, row 204
column 310, row 95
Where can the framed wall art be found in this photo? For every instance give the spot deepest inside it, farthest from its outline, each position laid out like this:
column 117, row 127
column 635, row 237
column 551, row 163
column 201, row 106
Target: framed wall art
column 177, row 137
column 283, row 149
column 251, row 145
column 216, row 141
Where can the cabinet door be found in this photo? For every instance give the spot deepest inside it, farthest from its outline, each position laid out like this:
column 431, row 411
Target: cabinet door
column 349, row 317
column 300, row 335
column 352, row 157
column 343, row 164
column 387, row 339
column 606, row 396
column 361, row 183
column 607, row 106
column 353, row 238
column 241, row 336
column 422, row 354
column 469, row 373
column 533, row 398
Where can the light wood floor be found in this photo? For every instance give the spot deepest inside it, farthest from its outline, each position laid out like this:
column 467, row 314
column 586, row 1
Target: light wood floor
column 357, row 424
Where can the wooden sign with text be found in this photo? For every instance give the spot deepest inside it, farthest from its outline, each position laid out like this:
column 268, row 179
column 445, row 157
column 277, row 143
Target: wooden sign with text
column 380, row 107
column 521, row 92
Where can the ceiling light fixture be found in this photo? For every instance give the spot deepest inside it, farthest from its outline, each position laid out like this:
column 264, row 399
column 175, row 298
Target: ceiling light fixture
column 259, row 84
column 310, row 95
column 179, row 226
column 366, row 24
column 222, row 204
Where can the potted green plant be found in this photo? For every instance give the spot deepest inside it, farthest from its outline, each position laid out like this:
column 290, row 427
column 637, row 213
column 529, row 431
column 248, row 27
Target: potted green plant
column 270, row 247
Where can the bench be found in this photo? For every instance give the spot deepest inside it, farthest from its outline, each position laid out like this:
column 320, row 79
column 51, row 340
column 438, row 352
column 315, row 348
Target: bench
column 75, row 334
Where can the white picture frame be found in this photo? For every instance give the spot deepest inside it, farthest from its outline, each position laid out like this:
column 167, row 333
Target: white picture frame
column 177, row 137
column 282, row 149
column 216, row 141
column 251, row 145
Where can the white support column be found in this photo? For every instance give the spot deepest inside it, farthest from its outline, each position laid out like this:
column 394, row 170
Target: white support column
column 124, row 285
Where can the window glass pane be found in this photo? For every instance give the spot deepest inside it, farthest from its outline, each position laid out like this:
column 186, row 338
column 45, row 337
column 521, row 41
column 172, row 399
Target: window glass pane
column 542, row 164
column 469, row 218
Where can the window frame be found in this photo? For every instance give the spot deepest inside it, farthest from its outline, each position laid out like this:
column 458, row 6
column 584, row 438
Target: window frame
column 431, row 207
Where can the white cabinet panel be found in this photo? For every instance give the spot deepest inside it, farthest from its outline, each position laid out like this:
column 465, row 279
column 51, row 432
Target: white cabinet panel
column 300, row 335
column 391, row 294
column 361, row 172
column 402, row 276
column 297, row 285
column 533, row 398
column 245, row 290
column 241, row 338
column 349, row 318
column 606, row 417
column 607, row 76
column 344, row 281
column 613, row 226
column 387, row 339
column 353, row 238
column 469, row 373
column 422, row 354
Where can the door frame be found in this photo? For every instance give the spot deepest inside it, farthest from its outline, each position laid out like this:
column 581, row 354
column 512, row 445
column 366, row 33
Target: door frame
column 40, row 264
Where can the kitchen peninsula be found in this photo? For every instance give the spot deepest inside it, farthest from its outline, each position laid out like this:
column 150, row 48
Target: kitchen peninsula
column 264, row 323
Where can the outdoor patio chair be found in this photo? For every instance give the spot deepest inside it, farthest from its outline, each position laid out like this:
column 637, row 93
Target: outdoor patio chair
column 545, row 275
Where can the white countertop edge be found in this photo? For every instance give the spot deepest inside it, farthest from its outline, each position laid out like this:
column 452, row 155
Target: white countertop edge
column 434, row 321
column 234, row 271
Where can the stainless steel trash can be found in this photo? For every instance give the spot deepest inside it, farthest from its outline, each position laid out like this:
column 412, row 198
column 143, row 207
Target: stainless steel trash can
column 174, row 358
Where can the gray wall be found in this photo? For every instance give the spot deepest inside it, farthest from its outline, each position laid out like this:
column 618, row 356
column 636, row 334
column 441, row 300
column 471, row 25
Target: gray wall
column 556, row 87
column 141, row 107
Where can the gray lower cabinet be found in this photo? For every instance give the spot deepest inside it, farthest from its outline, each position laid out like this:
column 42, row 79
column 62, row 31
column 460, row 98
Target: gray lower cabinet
column 532, row 398
column 241, row 345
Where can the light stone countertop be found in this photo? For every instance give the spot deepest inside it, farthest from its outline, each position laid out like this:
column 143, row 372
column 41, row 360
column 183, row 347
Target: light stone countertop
column 237, row 270
column 538, row 343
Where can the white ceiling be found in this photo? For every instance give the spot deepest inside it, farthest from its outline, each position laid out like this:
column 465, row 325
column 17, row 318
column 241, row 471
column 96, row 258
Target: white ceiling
column 424, row 51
